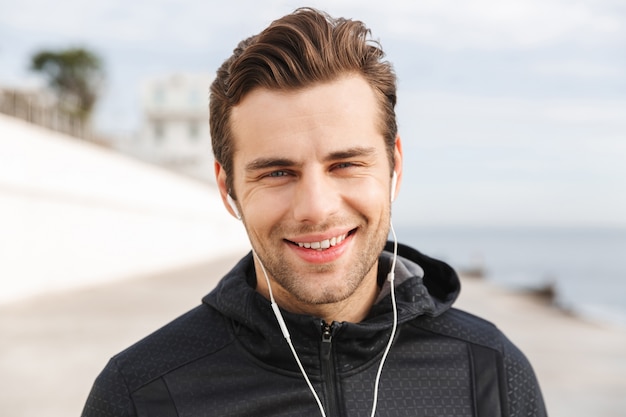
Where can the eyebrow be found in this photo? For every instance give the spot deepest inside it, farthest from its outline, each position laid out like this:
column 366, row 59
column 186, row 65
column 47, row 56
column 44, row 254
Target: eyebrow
column 350, row 153
column 265, row 163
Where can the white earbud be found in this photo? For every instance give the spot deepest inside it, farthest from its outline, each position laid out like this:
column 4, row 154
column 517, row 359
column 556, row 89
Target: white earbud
column 394, row 181
column 233, row 206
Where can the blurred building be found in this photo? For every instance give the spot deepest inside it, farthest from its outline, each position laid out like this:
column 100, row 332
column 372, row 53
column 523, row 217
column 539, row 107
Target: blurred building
column 175, row 125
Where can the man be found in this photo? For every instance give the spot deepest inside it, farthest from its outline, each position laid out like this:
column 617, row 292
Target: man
column 322, row 317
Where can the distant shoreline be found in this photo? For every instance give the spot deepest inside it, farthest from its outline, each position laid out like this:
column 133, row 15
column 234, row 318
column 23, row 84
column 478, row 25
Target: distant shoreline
column 579, row 268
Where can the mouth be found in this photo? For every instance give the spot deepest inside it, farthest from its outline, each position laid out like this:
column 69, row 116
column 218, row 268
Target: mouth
column 324, row 244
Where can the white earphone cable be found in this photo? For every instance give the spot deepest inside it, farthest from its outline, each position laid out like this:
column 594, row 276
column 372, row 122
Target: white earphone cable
column 391, row 279
column 283, row 327
column 285, row 330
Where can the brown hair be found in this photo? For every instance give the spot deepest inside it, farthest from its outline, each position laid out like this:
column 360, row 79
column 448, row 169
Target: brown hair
column 296, row 51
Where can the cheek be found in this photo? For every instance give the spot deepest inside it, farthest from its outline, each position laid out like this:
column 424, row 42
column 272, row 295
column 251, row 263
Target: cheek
column 262, row 211
column 370, row 197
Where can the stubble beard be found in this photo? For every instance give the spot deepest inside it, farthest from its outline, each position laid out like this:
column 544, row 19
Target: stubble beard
column 303, row 286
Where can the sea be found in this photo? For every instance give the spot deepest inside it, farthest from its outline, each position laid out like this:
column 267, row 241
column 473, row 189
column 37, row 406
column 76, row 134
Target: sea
column 584, row 266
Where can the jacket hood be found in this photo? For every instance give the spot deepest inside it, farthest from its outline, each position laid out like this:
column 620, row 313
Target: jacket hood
column 423, row 286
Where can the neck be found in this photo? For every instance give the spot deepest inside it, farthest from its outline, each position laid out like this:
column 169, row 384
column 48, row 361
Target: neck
column 353, row 308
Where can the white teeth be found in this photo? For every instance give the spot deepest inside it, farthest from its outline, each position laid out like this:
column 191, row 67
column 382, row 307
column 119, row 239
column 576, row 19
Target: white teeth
column 324, row 244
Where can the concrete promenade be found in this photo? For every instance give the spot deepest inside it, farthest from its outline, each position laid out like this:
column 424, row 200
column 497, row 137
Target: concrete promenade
column 52, row 347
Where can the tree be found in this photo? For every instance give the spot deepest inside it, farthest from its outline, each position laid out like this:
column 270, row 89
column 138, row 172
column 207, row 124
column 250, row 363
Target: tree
column 75, row 74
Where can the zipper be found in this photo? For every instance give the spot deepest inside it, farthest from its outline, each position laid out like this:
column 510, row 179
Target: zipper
column 329, row 376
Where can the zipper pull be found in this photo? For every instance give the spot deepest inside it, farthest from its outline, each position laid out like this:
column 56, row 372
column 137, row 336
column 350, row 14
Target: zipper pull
column 327, row 332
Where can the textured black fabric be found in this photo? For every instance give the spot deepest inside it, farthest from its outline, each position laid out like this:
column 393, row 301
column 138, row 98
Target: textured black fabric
column 487, row 383
column 228, row 357
column 154, row 399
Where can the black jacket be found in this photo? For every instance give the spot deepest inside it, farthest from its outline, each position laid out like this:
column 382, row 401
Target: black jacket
column 228, row 357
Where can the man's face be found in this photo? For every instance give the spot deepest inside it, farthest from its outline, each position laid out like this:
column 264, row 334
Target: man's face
column 312, row 181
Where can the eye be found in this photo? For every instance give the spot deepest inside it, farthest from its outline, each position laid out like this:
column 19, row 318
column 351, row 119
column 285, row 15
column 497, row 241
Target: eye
column 345, row 165
column 276, row 174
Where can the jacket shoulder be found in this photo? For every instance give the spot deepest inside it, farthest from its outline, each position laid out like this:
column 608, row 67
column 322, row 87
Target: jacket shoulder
column 471, row 329
column 523, row 394
column 194, row 335
column 459, row 324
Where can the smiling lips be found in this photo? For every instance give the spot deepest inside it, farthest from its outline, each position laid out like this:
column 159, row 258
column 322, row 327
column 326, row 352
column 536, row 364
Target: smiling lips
column 323, row 244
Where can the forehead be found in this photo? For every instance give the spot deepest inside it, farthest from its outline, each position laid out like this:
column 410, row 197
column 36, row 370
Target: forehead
column 323, row 117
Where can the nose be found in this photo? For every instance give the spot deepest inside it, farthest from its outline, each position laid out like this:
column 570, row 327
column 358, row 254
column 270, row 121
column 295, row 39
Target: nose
column 316, row 198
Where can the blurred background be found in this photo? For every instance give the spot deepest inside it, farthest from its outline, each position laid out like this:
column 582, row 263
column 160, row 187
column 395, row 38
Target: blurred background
column 512, row 116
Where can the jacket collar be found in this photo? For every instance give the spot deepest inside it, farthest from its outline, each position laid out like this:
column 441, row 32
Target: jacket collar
column 423, row 286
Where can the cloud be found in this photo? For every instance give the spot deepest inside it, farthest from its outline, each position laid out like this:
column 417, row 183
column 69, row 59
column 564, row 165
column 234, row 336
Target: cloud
column 497, row 24
column 578, row 68
column 479, row 24
column 599, row 112
column 182, row 22
column 421, row 108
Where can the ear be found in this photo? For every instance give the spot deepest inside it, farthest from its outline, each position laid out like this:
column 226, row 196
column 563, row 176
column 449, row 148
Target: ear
column 220, row 179
column 398, row 166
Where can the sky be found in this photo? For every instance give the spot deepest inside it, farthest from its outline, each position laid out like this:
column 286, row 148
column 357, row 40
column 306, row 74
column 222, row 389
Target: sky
column 511, row 112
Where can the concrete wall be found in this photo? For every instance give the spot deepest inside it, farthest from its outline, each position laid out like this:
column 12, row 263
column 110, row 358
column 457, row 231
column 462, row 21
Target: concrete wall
column 74, row 214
